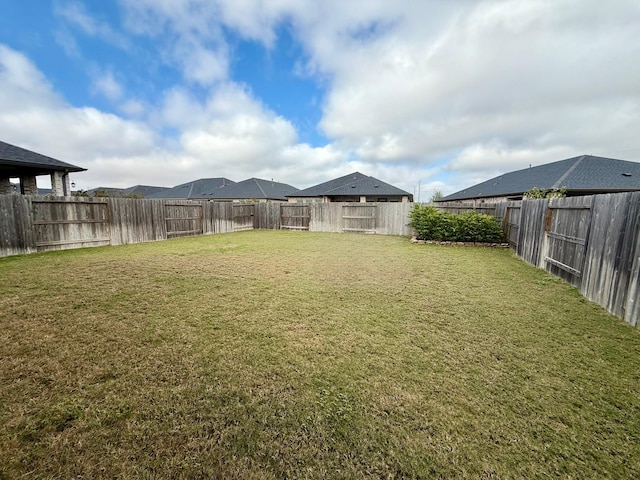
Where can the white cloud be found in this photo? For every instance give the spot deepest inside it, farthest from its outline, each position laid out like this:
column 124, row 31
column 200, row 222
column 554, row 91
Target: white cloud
column 76, row 15
column 105, row 84
column 442, row 92
column 133, row 108
column 33, row 115
column 230, row 134
column 189, row 32
column 201, row 65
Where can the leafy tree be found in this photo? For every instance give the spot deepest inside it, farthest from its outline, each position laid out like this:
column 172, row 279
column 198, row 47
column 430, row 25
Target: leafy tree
column 101, row 193
column 437, row 195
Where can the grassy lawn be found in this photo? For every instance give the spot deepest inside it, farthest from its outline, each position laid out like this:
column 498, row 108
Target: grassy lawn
column 274, row 354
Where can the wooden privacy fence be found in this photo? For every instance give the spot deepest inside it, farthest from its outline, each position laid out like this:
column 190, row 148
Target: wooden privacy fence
column 30, row 224
column 592, row 242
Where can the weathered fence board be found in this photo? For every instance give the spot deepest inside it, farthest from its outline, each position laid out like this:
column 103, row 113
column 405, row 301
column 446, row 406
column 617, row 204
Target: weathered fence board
column 458, row 207
column 567, row 223
column 632, row 304
column 17, row 235
column 393, row 219
column 531, row 231
column 511, row 222
column 359, row 217
column 295, row 216
column 184, row 218
column 243, row 214
column 612, row 254
column 62, row 223
column 326, row 217
column 218, row 217
column 267, row 216
column 136, row 220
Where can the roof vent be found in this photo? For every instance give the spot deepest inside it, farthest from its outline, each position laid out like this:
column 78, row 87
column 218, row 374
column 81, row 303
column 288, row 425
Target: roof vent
column 626, row 174
column 376, row 186
column 353, row 186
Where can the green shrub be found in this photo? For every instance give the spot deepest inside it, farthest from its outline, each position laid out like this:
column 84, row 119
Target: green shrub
column 538, row 193
column 431, row 224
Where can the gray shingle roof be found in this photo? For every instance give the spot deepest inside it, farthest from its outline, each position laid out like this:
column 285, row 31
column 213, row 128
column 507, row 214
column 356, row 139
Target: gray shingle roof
column 201, row 188
column 142, row 190
column 254, row 188
column 17, row 157
column 585, row 173
column 353, row 184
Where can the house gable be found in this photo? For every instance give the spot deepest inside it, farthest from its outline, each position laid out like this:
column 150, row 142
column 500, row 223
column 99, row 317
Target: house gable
column 353, row 187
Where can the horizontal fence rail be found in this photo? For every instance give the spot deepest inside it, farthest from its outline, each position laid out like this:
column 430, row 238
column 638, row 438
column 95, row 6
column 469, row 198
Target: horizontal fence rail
column 593, row 242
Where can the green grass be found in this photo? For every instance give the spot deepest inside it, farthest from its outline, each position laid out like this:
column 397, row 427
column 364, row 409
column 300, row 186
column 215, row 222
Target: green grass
column 273, row 354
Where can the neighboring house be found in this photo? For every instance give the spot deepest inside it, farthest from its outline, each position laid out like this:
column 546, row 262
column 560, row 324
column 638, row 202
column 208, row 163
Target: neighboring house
column 583, row 175
column 354, row 187
column 202, row 188
column 254, row 189
column 17, row 162
column 142, row 191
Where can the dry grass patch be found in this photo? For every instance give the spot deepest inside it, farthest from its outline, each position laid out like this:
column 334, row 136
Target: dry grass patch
column 275, row 354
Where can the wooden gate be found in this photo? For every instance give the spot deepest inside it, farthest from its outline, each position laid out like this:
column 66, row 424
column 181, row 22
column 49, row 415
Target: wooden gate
column 567, row 228
column 294, row 217
column 183, row 219
column 359, row 218
column 242, row 215
column 62, row 224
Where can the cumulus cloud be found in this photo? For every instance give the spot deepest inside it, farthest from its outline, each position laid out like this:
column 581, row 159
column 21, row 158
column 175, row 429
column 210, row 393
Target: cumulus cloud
column 104, row 83
column 482, row 85
column 190, row 33
column 33, row 115
column 230, row 134
column 448, row 93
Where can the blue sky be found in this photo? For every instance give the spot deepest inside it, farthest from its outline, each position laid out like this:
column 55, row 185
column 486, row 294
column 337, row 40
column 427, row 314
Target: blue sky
column 437, row 94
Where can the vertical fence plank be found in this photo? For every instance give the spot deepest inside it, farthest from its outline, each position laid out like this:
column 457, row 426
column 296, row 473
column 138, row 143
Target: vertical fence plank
column 531, row 231
column 136, row 220
column 611, row 256
column 16, row 226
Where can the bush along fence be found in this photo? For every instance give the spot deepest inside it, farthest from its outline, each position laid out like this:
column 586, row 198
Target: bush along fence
column 433, row 224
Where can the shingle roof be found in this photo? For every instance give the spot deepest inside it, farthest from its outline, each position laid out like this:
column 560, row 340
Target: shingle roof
column 142, row 190
column 201, row 188
column 585, row 173
column 17, row 157
column 254, row 188
column 322, row 188
column 353, row 184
